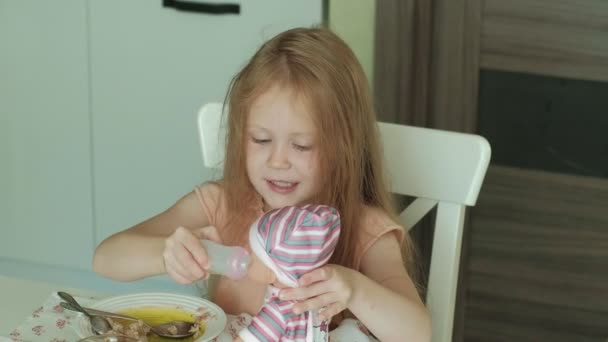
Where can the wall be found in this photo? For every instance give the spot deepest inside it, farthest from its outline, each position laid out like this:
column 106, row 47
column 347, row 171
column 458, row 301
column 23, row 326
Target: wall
column 354, row 21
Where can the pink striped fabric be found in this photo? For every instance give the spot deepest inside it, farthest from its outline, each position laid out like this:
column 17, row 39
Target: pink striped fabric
column 276, row 322
column 296, row 240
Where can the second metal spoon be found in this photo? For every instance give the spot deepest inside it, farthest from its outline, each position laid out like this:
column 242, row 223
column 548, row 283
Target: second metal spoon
column 99, row 324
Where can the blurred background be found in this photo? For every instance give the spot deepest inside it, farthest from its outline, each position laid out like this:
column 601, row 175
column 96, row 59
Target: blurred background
column 98, row 102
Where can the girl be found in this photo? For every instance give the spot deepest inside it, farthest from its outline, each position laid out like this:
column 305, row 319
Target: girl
column 301, row 129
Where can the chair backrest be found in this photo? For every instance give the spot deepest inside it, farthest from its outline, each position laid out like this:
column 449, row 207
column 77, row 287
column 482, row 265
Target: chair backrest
column 439, row 168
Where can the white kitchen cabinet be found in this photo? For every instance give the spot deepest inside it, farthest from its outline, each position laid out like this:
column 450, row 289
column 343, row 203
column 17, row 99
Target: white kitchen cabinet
column 45, row 146
column 98, row 101
column 152, row 68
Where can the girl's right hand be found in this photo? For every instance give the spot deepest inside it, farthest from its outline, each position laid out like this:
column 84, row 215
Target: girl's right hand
column 184, row 257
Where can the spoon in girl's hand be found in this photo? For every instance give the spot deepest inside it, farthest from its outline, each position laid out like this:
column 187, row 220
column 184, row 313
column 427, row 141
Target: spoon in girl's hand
column 173, row 329
column 99, row 324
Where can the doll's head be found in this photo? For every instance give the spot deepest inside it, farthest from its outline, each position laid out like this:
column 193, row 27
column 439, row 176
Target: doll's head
column 291, row 241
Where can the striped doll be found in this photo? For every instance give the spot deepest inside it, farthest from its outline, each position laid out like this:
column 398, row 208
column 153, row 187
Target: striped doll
column 287, row 243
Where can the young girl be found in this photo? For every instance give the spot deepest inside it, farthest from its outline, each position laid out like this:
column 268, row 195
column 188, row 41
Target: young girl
column 301, row 129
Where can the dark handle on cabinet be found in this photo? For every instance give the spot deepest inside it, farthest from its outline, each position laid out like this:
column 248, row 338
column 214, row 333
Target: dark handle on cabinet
column 203, row 7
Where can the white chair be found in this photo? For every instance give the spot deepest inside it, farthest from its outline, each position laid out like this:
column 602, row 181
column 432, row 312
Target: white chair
column 439, row 168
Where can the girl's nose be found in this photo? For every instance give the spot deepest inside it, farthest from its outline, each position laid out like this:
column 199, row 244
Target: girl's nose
column 278, row 158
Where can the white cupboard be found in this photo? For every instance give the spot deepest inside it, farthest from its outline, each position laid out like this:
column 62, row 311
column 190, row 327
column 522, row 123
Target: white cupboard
column 98, row 101
column 45, row 146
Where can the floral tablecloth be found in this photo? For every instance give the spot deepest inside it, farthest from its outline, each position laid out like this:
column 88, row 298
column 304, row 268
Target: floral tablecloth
column 52, row 323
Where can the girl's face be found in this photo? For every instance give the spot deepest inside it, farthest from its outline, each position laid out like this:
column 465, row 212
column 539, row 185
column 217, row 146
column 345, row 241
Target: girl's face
column 281, row 150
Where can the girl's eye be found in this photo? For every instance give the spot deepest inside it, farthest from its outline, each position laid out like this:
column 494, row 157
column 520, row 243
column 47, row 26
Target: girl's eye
column 302, row 147
column 260, row 141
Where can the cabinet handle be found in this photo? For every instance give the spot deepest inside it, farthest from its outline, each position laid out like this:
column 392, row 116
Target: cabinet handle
column 202, row 7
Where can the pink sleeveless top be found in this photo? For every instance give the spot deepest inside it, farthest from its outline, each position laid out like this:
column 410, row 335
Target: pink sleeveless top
column 247, row 296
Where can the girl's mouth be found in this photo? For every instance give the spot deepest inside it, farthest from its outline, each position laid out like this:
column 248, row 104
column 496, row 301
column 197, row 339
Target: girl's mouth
column 281, row 187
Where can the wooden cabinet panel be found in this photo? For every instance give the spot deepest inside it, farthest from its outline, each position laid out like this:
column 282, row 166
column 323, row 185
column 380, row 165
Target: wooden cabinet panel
column 567, row 38
column 537, row 258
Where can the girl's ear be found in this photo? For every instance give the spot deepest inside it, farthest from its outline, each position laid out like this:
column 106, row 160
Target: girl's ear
column 260, row 272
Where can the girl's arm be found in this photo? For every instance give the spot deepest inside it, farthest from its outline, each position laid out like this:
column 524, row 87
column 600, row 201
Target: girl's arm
column 393, row 312
column 384, row 297
column 144, row 249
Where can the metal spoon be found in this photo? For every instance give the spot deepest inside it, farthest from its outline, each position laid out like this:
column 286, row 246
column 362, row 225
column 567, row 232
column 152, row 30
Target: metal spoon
column 182, row 329
column 99, row 324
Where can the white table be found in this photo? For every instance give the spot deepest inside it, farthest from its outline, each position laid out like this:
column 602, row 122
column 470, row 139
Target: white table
column 20, row 297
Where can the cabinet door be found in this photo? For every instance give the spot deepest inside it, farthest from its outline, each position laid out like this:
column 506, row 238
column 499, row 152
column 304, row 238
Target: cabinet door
column 152, row 68
column 45, row 172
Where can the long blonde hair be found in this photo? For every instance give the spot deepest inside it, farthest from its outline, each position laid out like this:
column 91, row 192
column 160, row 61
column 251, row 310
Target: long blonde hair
column 318, row 66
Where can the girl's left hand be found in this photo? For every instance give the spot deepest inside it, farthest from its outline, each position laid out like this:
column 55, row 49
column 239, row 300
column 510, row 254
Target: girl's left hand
column 330, row 287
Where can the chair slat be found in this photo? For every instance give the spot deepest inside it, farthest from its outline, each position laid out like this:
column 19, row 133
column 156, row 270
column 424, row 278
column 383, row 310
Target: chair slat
column 415, row 212
column 435, row 164
column 445, row 261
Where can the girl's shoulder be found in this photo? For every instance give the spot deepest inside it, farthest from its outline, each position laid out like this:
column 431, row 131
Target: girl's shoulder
column 211, row 198
column 215, row 184
column 376, row 222
column 214, row 203
column 211, row 191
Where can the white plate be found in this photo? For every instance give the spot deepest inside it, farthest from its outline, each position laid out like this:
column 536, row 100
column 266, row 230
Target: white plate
column 215, row 324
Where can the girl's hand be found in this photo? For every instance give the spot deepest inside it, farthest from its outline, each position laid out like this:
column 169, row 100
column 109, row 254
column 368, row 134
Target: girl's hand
column 184, row 257
column 330, row 287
